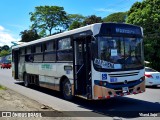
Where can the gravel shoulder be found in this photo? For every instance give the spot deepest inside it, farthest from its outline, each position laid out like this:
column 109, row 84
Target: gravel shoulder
column 13, row 101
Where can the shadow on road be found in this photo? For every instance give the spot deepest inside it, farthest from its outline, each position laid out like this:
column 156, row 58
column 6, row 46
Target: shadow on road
column 153, row 87
column 115, row 107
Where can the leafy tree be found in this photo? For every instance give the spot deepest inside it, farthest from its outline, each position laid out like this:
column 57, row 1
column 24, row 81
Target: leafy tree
column 45, row 18
column 92, row 19
column 4, row 53
column 29, row 35
column 116, row 17
column 147, row 15
column 5, row 47
column 76, row 17
column 75, row 21
column 75, row 25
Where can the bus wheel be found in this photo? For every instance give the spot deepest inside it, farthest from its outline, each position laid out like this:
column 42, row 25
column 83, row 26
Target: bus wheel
column 67, row 89
column 25, row 78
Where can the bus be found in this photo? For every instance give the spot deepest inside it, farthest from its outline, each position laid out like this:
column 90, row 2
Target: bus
column 97, row 61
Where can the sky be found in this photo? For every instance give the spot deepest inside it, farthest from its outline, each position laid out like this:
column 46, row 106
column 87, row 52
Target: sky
column 14, row 14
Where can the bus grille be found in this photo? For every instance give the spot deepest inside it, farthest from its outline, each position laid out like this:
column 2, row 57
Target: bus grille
column 123, row 74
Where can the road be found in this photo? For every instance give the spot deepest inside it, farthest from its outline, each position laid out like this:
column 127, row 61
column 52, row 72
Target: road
column 116, row 108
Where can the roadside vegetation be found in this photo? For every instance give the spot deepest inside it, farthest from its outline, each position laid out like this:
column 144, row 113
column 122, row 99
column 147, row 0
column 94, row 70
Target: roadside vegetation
column 147, row 15
column 4, row 50
column 2, row 87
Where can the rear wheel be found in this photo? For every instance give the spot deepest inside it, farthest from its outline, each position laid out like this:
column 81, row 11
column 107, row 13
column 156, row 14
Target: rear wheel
column 67, row 89
column 26, row 81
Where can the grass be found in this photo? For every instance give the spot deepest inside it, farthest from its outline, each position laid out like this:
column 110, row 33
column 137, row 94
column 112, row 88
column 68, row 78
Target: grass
column 2, row 87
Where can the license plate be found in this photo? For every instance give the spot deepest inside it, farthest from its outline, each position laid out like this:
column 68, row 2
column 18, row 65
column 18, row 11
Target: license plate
column 125, row 89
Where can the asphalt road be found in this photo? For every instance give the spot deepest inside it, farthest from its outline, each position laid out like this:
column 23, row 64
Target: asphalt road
column 129, row 107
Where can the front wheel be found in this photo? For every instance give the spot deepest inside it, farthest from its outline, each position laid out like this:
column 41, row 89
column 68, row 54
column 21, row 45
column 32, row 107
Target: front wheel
column 67, row 89
column 25, row 78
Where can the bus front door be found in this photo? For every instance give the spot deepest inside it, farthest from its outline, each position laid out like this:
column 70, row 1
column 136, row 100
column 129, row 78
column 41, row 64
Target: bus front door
column 16, row 62
column 82, row 69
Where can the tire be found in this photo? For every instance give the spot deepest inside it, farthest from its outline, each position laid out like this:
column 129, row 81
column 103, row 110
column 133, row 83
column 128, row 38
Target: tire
column 25, row 79
column 67, row 90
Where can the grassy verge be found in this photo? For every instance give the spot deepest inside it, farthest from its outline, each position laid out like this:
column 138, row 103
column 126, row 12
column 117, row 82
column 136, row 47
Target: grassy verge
column 2, row 87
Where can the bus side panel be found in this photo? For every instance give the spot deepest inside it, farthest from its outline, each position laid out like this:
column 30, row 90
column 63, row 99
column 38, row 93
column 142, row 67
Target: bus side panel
column 50, row 74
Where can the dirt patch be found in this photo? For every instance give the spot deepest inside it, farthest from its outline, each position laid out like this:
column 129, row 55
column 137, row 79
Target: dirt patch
column 15, row 102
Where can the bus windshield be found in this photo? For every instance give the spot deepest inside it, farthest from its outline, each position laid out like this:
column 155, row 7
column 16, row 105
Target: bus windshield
column 119, row 53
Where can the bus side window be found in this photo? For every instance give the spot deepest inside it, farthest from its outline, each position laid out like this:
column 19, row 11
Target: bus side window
column 64, row 44
column 38, row 56
column 50, row 53
column 39, row 48
column 65, row 52
column 33, row 49
column 50, row 46
column 22, row 51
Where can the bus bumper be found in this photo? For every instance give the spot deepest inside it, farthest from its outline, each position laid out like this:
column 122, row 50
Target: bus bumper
column 101, row 92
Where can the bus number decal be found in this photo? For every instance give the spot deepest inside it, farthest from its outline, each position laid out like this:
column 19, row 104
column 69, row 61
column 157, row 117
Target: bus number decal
column 104, row 76
column 113, row 80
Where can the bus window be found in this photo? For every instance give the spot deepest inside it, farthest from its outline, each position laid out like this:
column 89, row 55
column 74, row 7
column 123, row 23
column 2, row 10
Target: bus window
column 65, row 52
column 22, row 51
column 28, row 50
column 38, row 57
column 64, row 44
column 38, row 48
column 50, row 46
column 33, row 49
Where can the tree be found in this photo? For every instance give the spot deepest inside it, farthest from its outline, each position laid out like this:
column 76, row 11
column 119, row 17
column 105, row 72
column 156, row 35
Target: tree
column 75, row 25
column 5, row 47
column 4, row 53
column 29, row 35
column 92, row 19
column 75, row 21
column 45, row 18
column 75, row 17
column 146, row 14
column 116, row 17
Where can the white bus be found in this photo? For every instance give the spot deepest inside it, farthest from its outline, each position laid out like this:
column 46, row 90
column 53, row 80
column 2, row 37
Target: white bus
column 98, row 61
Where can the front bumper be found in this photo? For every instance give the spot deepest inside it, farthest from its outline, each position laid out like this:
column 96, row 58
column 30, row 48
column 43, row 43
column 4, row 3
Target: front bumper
column 101, row 92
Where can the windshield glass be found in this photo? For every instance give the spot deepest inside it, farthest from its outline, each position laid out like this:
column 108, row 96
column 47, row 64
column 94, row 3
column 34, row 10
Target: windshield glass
column 119, row 53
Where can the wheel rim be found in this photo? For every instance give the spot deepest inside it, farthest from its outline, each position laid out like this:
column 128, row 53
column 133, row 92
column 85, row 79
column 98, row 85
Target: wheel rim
column 67, row 89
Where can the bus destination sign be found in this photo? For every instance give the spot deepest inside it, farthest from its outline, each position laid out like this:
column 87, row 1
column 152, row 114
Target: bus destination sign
column 127, row 31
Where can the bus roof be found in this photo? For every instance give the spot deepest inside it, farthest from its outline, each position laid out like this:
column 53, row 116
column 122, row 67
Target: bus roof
column 63, row 34
column 72, row 32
